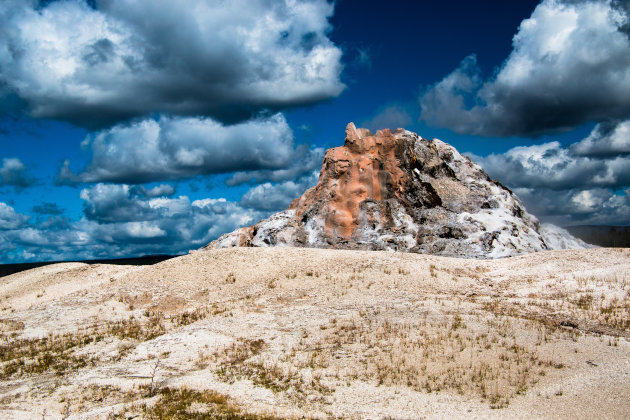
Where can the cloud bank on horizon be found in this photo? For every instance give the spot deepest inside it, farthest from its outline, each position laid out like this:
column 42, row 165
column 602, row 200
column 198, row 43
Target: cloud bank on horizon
column 170, row 93
column 120, row 221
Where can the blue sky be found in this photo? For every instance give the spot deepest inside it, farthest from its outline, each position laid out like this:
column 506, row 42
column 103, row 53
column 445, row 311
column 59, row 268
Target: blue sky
column 130, row 128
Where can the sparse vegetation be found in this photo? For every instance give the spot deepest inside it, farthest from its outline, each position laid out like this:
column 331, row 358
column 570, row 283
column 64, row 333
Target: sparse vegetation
column 61, row 353
column 432, row 356
column 183, row 403
column 309, row 336
column 56, row 353
column 169, row 403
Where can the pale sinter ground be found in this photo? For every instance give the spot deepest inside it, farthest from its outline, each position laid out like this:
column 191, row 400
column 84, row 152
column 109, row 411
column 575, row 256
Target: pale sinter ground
column 287, row 332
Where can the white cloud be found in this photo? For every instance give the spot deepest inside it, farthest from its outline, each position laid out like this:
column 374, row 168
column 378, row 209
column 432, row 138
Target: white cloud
column 143, row 230
column 125, row 59
column 177, row 147
column 13, row 173
column 552, row 166
column 157, row 191
column 305, row 162
column 578, row 206
column 566, row 185
column 171, row 224
column 10, row 219
column 278, row 196
column 114, row 203
column 606, row 140
column 119, row 222
column 570, row 64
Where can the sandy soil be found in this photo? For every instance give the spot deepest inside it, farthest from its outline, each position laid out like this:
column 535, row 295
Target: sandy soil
column 288, row 332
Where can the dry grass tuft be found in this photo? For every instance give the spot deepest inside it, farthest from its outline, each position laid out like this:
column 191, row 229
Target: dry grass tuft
column 321, row 333
column 183, row 403
column 431, row 356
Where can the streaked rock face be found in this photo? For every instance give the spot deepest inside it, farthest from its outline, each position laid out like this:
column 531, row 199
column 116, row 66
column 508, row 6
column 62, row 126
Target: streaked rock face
column 398, row 191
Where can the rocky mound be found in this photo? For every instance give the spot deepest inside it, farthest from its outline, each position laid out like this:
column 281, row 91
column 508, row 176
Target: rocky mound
column 398, row 191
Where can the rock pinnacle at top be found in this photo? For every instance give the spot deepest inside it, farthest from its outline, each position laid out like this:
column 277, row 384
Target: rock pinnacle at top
column 398, row 191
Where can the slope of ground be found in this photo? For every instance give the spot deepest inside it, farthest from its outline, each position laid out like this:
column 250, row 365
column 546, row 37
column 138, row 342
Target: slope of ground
column 295, row 332
column 8, row 269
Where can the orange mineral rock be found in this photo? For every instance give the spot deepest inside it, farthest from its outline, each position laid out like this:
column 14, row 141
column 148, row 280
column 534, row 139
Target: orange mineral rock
column 398, row 191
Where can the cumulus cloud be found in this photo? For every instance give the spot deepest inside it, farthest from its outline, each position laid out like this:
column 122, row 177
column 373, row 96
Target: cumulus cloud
column 278, row 196
column 570, row 64
column 115, row 203
column 178, row 147
column 10, row 219
column 168, row 224
column 95, row 64
column 119, row 222
column 392, row 117
column 578, row 206
column 157, row 191
column 13, row 173
column 286, row 184
column 305, row 162
column 609, row 139
column 583, row 182
column 552, row 166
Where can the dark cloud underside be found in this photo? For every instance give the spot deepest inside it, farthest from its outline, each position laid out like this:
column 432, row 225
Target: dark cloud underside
column 586, row 182
column 177, row 147
column 228, row 60
column 570, row 64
